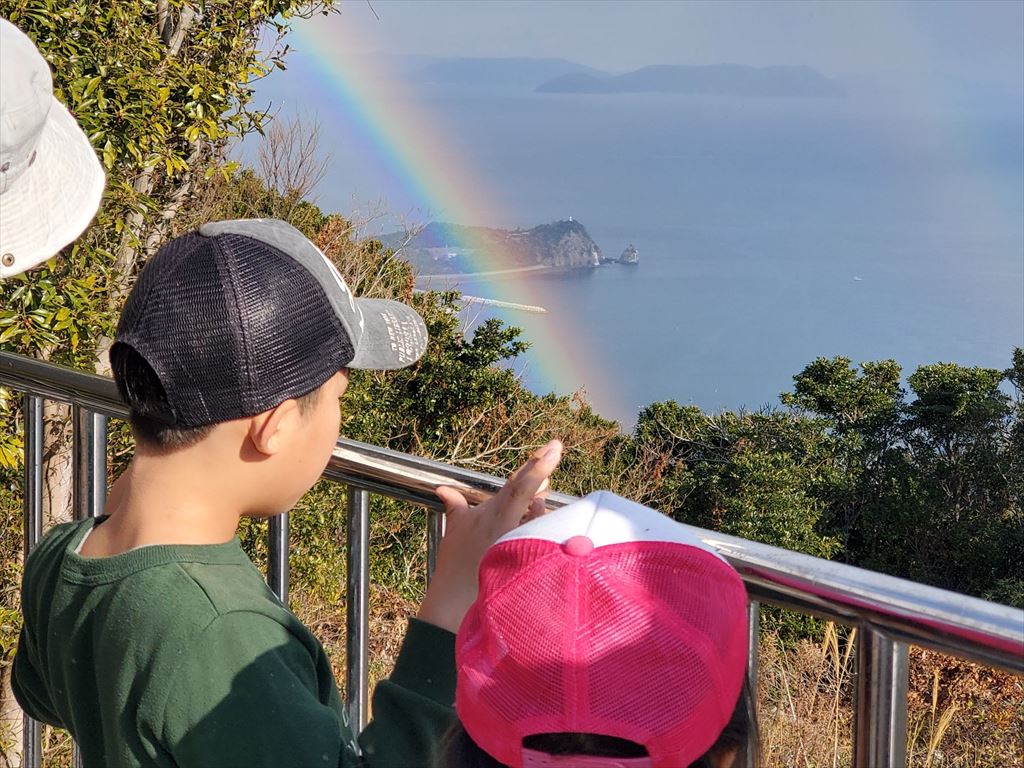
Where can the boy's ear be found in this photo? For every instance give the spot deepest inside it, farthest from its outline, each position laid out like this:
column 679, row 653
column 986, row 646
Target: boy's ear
column 268, row 430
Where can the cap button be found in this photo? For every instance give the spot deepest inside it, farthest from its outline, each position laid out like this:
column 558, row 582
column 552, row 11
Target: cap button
column 578, row 546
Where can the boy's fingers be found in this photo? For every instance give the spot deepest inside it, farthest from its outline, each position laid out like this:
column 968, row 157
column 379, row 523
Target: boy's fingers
column 452, row 499
column 537, row 508
column 527, row 482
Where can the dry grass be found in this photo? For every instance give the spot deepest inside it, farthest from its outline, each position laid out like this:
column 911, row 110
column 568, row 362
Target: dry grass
column 389, row 614
column 960, row 715
column 804, row 696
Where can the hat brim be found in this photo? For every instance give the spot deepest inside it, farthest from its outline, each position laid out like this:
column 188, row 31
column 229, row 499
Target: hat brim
column 607, row 519
column 394, row 335
column 54, row 199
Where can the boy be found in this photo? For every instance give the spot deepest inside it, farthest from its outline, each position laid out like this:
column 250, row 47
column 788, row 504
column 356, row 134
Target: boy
column 148, row 633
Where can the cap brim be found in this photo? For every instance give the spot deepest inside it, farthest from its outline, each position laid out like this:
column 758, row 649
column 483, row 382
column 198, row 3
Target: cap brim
column 54, row 199
column 606, row 519
column 393, row 335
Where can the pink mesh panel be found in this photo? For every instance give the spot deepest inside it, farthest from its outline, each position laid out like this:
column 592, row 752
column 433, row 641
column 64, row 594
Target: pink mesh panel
column 643, row 640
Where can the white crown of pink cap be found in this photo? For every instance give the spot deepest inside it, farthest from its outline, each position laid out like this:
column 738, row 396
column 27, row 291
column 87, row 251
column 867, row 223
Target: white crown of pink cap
column 605, row 519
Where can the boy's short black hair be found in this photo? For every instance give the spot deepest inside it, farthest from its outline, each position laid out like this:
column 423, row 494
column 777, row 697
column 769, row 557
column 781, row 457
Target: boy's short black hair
column 135, row 376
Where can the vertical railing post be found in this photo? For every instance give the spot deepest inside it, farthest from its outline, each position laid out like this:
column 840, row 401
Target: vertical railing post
column 357, row 620
column 880, row 702
column 89, row 462
column 753, row 653
column 435, row 532
column 32, row 742
column 33, row 471
column 89, row 478
column 277, row 556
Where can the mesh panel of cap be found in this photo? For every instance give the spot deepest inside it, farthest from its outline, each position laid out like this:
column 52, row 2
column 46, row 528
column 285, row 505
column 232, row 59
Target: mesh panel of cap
column 232, row 327
column 294, row 342
column 179, row 285
column 644, row 641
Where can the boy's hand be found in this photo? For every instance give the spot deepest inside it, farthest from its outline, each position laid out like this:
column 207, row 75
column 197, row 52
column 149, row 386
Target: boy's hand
column 470, row 531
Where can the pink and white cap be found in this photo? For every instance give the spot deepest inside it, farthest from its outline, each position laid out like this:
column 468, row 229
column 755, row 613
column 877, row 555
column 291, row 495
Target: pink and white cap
column 602, row 617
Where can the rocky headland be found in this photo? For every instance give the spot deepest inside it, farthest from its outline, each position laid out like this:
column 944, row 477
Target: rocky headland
column 446, row 249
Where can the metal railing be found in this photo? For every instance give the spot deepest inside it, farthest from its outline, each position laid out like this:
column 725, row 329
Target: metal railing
column 889, row 613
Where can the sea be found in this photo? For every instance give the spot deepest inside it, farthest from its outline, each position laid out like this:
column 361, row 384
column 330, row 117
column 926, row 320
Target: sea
column 885, row 224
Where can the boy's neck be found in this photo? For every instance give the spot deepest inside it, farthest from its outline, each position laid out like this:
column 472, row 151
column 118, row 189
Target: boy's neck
column 166, row 499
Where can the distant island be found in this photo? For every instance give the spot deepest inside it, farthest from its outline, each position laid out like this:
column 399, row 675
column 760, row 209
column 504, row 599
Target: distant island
column 720, row 79
column 569, row 77
column 455, row 249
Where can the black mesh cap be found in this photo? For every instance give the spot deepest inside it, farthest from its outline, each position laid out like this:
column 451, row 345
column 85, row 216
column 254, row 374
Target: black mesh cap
column 233, row 324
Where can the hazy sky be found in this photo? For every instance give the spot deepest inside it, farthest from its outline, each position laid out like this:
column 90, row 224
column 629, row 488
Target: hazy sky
column 982, row 39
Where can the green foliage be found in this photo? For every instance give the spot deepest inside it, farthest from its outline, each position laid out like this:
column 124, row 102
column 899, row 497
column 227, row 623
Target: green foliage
column 848, row 399
column 930, row 488
column 427, row 407
column 11, row 537
column 160, row 89
column 750, row 475
column 956, row 407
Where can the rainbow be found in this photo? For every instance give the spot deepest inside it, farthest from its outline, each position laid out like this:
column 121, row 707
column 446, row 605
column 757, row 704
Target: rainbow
column 406, row 143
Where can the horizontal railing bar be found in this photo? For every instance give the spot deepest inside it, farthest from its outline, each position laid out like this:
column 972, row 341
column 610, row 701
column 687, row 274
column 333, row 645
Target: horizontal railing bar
column 57, row 382
column 378, row 469
column 904, row 610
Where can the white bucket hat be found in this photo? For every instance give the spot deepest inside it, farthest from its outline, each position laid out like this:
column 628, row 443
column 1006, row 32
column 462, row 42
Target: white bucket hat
column 51, row 181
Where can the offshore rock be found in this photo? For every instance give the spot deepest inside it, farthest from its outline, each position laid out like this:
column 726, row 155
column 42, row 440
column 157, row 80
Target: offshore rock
column 630, row 256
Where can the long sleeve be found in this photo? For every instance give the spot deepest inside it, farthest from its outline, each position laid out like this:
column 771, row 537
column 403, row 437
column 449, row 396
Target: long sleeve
column 414, row 707
column 27, row 684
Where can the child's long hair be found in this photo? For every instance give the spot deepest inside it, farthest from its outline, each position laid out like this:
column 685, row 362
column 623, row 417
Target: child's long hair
column 740, row 738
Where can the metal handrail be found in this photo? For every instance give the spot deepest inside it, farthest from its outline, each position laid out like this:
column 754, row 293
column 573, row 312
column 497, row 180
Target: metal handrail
column 889, row 612
column 915, row 613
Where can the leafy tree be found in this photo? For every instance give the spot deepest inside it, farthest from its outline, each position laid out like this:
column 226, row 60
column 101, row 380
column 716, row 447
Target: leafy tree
column 863, row 411
column 161, row 88
column 958, row 435
column 929, row 489
column 750, row 475
column 833, row 389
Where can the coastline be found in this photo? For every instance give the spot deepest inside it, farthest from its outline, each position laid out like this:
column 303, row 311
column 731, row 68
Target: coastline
column 490, row 273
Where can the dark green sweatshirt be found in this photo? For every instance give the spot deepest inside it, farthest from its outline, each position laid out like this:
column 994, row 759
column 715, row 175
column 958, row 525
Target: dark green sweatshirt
column 182, row 656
